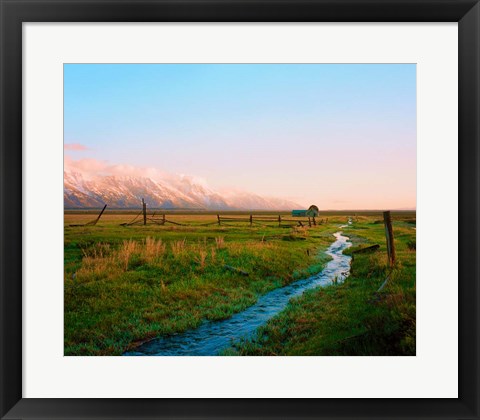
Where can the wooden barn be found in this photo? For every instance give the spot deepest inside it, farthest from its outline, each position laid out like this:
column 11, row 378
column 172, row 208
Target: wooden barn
column 311, row 212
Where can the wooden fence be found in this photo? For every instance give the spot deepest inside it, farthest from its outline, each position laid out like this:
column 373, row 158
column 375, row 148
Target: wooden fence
column 260, row 219
column 264, row 220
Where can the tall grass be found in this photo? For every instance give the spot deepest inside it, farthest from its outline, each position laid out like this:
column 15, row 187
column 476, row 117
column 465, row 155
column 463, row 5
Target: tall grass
column 102, row 262
column 178, row 247
column 154, row 249
column 125, row 253
column 220, row 242
column 201, row 257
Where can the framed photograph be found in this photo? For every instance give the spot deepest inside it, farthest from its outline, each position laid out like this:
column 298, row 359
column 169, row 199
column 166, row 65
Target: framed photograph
column 239, row 209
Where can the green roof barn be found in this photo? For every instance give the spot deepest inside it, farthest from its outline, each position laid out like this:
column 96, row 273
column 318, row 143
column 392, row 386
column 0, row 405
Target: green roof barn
column 299, row 213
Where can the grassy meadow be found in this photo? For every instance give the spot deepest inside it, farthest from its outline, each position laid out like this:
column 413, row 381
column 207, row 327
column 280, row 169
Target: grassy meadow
column 127, row 284
column 352, row 318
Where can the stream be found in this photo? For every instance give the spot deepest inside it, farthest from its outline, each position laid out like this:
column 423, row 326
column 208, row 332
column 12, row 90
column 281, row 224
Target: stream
column 213, row 336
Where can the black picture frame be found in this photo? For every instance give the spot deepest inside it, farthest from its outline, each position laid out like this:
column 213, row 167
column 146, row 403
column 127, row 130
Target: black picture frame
column 15, row 12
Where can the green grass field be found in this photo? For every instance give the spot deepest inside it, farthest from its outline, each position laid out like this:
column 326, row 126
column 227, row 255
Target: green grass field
column 352, row 318
column 125, row 285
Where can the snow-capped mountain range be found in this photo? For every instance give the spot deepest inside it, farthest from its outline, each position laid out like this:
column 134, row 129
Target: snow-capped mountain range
column 179, row 193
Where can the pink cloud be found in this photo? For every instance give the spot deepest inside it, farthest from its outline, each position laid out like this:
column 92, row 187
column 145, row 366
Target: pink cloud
column 75, row 147
column 91, row 168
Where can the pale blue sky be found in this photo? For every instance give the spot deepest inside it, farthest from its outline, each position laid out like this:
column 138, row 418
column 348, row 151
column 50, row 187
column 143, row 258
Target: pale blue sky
column 343, row 136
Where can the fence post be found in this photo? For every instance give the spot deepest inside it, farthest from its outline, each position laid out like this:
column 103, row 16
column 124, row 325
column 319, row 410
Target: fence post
column 144, row 207
column 279, row 220
column 100, row 215
column 251, row 220
column 218, row 218
column 390, row 239
column 163, row 219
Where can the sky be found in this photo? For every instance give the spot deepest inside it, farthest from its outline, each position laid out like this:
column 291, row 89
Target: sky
column 341, row 136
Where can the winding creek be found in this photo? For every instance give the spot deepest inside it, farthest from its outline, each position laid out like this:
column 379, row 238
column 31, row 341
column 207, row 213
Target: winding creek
column 211, row 337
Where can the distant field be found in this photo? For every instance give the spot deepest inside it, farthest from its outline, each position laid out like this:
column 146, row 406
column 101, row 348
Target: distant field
column 127, row 284
column 323, row 213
